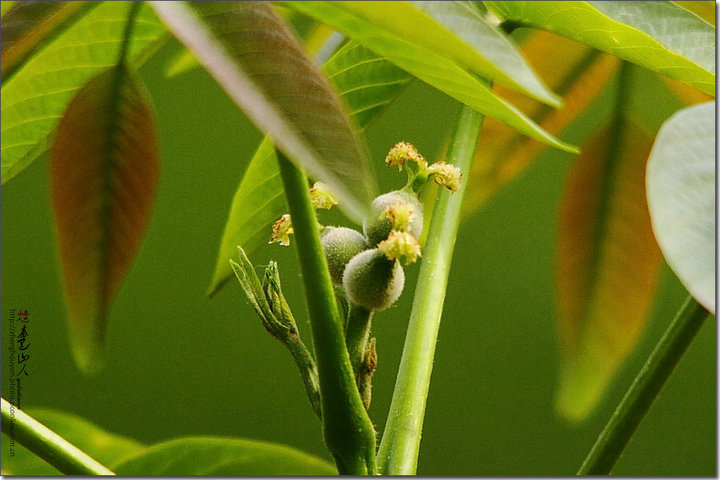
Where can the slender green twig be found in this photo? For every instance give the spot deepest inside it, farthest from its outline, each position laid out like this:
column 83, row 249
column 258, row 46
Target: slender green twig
column 357, row 334
column 347, row 429
column 401, row 440
column 646, row 386
column 47, row 444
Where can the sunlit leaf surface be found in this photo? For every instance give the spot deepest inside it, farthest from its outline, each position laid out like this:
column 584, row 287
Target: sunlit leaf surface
column 681, row 195
column 436, row 69
column 104, row 170
column 660, row 36
column 607, row 263
column 34, row 99
column 106, row 448
column 367, row 84
column 248, row 48
column 222, row 456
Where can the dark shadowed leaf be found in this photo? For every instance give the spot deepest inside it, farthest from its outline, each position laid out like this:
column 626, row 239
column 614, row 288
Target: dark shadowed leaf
column 27, row 26
column 104, row 169
column 681, row 195
column 34, row 99
column 367, row 84
column 106, row 448
column 436, row 69
column 253, row 55
column 222, row 456
column 607, row 264
column 657, row 35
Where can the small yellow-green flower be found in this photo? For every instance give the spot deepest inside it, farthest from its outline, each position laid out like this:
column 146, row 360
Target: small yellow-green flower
column 399, row 215
column 446, row 175
column 400, row 244
column 281, row 231
column 402, row 153
column 322, row 197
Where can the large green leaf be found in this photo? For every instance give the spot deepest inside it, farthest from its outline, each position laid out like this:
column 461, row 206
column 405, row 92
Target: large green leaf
column 505, row 64
column 27, row 26
column 104, row 171
column 367, row 84
column 34, row 99
column 681, row 196
column 658, row 35
column 437, row 70
column 222, row 456
column 106, row 448
column 250, row 51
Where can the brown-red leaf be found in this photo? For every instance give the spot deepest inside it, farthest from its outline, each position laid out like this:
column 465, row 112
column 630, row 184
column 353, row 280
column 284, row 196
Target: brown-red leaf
column 104, row 171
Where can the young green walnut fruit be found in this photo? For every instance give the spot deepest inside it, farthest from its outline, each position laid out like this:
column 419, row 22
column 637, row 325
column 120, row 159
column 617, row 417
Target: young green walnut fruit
column 340, row 244
column 378, row 227
column 372, row 281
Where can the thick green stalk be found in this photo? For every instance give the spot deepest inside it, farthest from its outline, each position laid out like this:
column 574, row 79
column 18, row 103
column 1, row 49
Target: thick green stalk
column 646, row 386
column 347, row 429
column 46, row 444
column 401, row 440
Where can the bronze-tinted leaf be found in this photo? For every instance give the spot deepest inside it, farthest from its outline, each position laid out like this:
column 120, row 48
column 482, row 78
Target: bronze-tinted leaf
column 26, row 26
column 249, row 49
column 607, row 264
column 104, row 170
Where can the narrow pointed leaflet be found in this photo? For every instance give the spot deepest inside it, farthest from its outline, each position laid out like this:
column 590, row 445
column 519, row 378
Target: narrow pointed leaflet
column 104, row 171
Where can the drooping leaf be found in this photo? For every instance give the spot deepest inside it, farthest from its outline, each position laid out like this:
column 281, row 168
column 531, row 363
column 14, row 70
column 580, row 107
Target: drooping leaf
column 434, row 69
column 452, row 30
column 222, row 456
column 367, row 84
column 104, row 169
column 253, row 55
column 106, row 448
column 660, row 36
column 27, row 26
column 506, row 66
column 607, row 264
column 704, row 9
column 577, row 72
column 681, row 195
column 34, row 99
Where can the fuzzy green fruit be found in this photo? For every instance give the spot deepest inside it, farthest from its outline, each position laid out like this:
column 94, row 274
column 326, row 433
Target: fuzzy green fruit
column 377, row 229
column 340, row 244
column 372, row 281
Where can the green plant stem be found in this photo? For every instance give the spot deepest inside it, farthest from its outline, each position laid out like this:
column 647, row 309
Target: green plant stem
column 47, row 444
column 357, row 334
column 347, row 429
column 646, row 386
column 401, row 439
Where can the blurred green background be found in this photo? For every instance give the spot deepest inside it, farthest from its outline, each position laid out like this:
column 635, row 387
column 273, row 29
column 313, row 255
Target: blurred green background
column 183, row 364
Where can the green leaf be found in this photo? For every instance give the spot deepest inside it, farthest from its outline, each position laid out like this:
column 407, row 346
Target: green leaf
column 222, row 456
column 657, row 35
column 27, row 26
column 367, row 84
column 34, row 99
column 253, row 55
column 106, row 448
column 434, row 69
column 681, row 196
column 607, row 264
column 502, row 61
column 104, row 170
